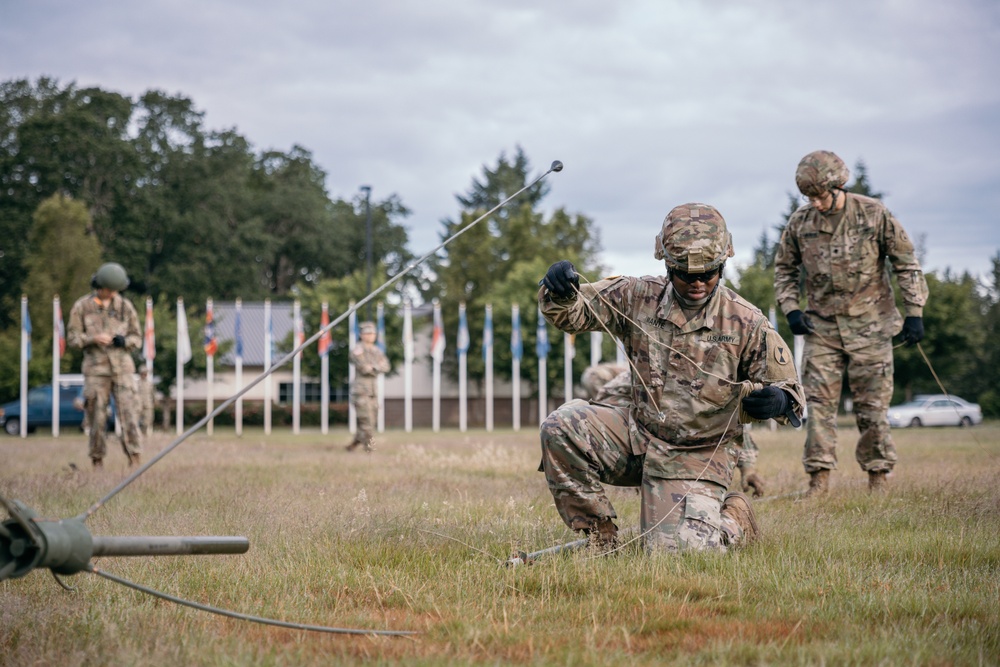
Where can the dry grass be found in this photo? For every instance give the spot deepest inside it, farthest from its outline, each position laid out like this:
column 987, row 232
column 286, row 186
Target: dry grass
column 410, row 538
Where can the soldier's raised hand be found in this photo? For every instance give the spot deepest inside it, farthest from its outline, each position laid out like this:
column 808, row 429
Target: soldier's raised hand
column 562, row 279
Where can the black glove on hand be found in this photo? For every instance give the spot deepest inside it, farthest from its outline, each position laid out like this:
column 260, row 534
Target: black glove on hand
column 118, row 341
column 799, row 323
column 766, row 403
column 913, row 330
column 561, row 279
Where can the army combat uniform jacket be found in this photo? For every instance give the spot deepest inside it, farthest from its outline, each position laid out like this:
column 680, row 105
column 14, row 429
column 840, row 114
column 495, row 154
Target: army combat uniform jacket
column 846, row 270
column 687, row 372
column 368, row 363
column 90, row 317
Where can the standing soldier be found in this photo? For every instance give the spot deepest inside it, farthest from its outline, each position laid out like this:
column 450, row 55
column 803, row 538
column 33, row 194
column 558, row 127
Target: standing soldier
column 106, row 327
column 700, row 355
column 368, row 362
column 840, row 246
column 147, row 400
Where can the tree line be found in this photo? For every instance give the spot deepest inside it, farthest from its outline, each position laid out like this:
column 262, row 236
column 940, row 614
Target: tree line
column 89, row 175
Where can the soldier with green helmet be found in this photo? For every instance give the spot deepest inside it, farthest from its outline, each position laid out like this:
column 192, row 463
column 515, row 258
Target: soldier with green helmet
column 840, row 247
column 106, row 327
column 701, row 356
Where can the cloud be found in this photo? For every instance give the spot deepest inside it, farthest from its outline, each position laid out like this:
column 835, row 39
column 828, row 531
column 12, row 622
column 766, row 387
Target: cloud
column 648, row 103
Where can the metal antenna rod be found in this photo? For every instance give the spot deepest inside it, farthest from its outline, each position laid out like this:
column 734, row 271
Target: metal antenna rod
column 556, row 166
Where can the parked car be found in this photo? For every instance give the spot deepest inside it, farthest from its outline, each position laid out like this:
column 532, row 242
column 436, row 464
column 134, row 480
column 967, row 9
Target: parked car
column 935, row 410
column 40, row 407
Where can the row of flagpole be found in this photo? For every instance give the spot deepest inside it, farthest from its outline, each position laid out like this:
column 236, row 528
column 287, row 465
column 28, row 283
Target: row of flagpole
column 438, row 345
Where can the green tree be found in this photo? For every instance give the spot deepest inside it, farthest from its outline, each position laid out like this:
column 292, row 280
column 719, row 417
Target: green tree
column 56, row 140
column 953, row 334
column 62, row 257
column 485, row 265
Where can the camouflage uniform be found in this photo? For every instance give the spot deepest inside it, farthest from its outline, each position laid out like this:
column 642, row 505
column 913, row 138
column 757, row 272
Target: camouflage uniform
column 108, row 369
column 368, row 362
column 844, row 258
column 678, row 437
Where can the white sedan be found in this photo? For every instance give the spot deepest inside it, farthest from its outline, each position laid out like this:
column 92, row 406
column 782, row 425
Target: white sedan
column 935, row 410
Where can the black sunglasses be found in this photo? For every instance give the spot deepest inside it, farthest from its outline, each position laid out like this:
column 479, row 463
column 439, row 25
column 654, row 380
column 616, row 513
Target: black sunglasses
column 695, row 277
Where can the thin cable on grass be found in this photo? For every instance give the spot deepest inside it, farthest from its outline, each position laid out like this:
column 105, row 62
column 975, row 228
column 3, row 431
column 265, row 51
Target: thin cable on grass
column 245, row 617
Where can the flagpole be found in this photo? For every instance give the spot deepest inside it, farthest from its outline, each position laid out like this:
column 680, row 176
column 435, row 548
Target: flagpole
column 407, row 366
column 437, row 351
column 209, row 365
column 268, row 384
column 488, row 362
column 352, row 339
column 542, row 349
column 297, row 369
column 568, row 354
column 324, row 373
column 516, row 349
column 239, row 366
column 380, row 391
column 462, row 344
column 182, row 333
column 56, row 355
column 596, row 341
column 25, row 358
column 149, row 337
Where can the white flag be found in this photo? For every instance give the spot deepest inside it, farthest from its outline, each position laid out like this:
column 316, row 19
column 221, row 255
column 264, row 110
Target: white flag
column 183, row 339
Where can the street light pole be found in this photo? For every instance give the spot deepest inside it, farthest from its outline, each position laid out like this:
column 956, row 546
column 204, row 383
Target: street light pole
column 367, row 189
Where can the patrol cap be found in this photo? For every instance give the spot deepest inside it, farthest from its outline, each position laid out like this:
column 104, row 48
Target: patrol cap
column 367, row 327
column 819, row 172
column 694, row 238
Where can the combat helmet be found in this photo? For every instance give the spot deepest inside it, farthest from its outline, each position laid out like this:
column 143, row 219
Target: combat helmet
column 110, row 276
column 694, row 239
column 819, row 172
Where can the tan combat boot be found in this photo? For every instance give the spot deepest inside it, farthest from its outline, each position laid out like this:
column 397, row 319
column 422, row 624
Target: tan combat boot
column 737, row 507
column 876, row 481
column 819, row 483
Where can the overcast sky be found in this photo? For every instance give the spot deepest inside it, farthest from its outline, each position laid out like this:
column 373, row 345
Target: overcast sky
column 649, row 103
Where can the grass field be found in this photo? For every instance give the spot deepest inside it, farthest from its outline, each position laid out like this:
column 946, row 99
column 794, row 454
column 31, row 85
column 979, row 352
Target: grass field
column 412, row 537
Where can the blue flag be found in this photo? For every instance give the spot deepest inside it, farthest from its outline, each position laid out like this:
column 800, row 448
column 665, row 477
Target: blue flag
column 542, row 337
column 463, row 332
column 516, row 347
column 488, row 331
column 380, row 340
column 27, row 329
column 239, row 331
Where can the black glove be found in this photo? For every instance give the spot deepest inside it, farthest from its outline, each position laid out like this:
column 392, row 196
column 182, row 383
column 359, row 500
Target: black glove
column 913, row 330
column 561, row 279
column 118, row 341
column 800, row 323
column 767, row 403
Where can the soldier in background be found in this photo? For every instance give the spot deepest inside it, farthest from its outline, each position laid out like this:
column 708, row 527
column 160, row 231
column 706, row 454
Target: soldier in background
column 595, row 377
column 106, row 327
column 840, row 246
column 368, row 361
column 147, row 401
column 692, row 343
